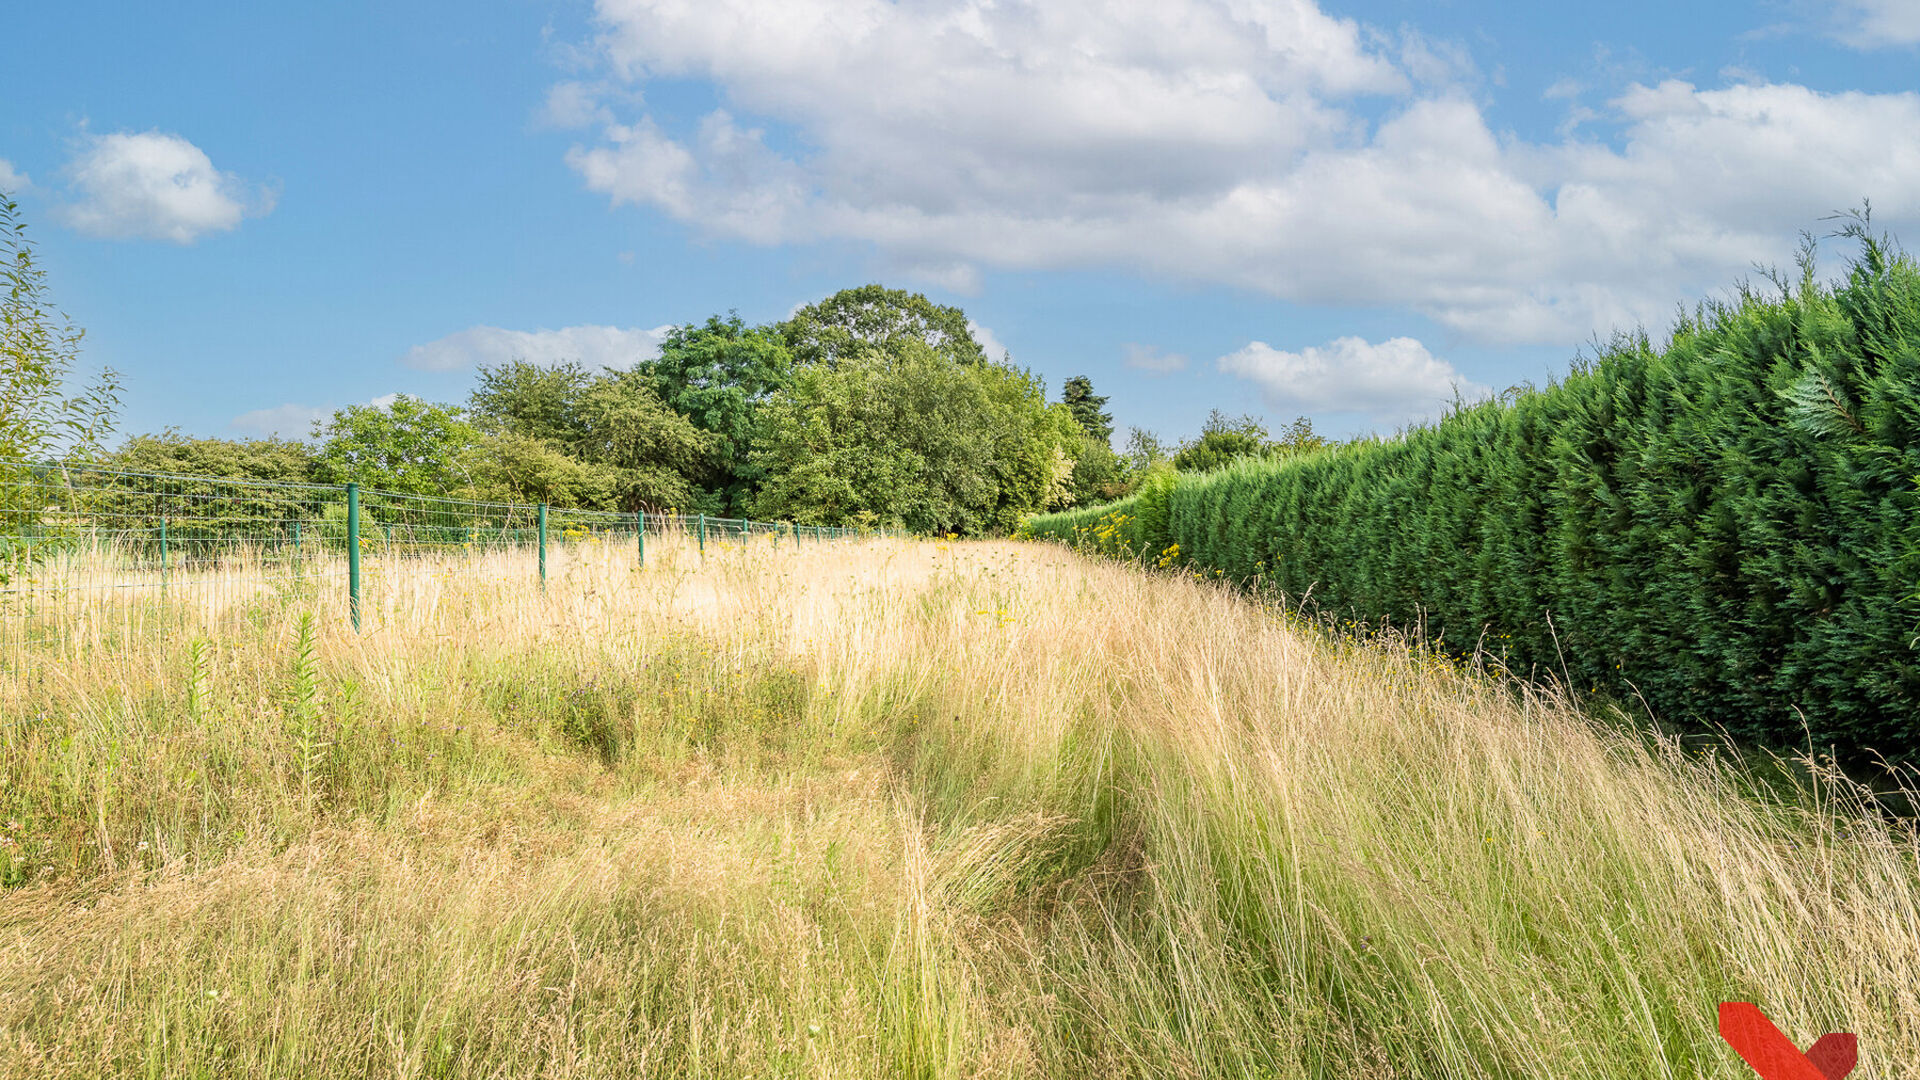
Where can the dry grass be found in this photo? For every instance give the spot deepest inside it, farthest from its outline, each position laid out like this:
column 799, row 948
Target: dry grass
column 885, row 808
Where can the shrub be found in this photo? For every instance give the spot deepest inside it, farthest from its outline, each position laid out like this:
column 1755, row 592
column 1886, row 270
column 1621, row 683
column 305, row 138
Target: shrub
column 1727, row 527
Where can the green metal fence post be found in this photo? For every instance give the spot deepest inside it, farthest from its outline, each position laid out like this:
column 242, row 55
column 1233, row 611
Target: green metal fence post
column 296, row 540
column 703, row 536
column 640, row 533
column 543, row 546
column 353, row 553
column 163, row 552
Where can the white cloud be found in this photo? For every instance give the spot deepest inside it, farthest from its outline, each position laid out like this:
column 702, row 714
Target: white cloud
column 154, row 186
column 990, row 343
column 593, row 346
column 1391, row 382
column 296, row 421
column 287, row 421
column 574, row 105
column 1227, row 142
column 1153, row 361
column 953, row 276
column 11, row 179
column 1878, row 24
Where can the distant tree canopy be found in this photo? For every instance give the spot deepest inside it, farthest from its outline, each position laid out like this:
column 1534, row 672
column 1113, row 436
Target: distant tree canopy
column 872, row 316
column 894, row 414
column 1225, row 439
column 873, row 405
column 606, row 440
column 408, row 445
column 1079, row 398
column 276, row 459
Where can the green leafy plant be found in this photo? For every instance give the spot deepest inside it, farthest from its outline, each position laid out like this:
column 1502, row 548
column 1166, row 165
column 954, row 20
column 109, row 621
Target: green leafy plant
column 39, row 415
column 1726, row 528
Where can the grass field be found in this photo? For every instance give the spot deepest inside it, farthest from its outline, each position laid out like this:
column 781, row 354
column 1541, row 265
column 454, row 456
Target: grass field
column 889, row 809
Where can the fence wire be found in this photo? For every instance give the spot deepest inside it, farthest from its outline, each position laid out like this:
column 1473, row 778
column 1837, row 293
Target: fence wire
column 120, row 549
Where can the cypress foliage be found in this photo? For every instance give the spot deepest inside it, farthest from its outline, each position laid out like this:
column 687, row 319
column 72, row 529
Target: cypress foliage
column 1728, row 527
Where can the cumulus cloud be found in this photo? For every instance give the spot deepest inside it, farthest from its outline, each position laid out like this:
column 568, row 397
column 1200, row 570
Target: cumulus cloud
column 154, row 186
column 1878, row 24
column 1259, row 144
column 12, row 179
column 1152, row 360
column 1390, row 382
column 593, row 346
column 287, row 421
column 990, row 343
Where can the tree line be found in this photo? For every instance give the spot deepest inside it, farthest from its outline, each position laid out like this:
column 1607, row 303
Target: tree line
column 873, row 407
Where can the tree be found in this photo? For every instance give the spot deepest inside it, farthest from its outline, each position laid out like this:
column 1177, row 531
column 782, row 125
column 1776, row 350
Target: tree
column 408, row 446
column 1299, row 438
column 659, row 458
column 635, row 452
column 1035, row 444
column 519, row 468
column 38, row 350
column 873, row 316
column 532, row 400
column 913, row 437
column 718, row 376
column 201, row 498
column 1085, row 405
column 274, row 459
column 39, row 417
column 1222, row 440
column 1144, row 449
column 1099, row 474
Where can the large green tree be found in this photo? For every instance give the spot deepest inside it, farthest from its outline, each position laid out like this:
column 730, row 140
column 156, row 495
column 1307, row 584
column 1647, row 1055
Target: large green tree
column 718, row 375
column 534, row 400
column 618, row 445
column 858, row 320
column 408, row 446
column 911, row 437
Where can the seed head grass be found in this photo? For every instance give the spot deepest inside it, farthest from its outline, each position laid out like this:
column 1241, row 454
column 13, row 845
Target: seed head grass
column 886, row 808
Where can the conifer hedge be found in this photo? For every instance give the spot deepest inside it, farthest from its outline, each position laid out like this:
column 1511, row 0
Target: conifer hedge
column 1728, row 527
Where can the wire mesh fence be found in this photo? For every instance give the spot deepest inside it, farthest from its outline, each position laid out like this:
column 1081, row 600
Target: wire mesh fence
column 125, row 550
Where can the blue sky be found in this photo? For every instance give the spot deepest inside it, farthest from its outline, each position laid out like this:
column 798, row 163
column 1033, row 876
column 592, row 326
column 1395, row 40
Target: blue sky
column 1342, row 210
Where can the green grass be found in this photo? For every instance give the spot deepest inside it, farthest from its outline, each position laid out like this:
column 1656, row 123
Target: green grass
column 884, row 808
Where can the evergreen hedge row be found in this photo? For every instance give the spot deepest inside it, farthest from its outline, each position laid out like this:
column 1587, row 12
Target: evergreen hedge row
column 1728, row 527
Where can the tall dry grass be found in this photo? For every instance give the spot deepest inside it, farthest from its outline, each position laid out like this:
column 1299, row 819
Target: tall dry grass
column 887, row 808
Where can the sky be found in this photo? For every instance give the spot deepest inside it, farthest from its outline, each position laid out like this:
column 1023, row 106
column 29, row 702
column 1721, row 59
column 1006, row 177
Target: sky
column 1352, row 211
